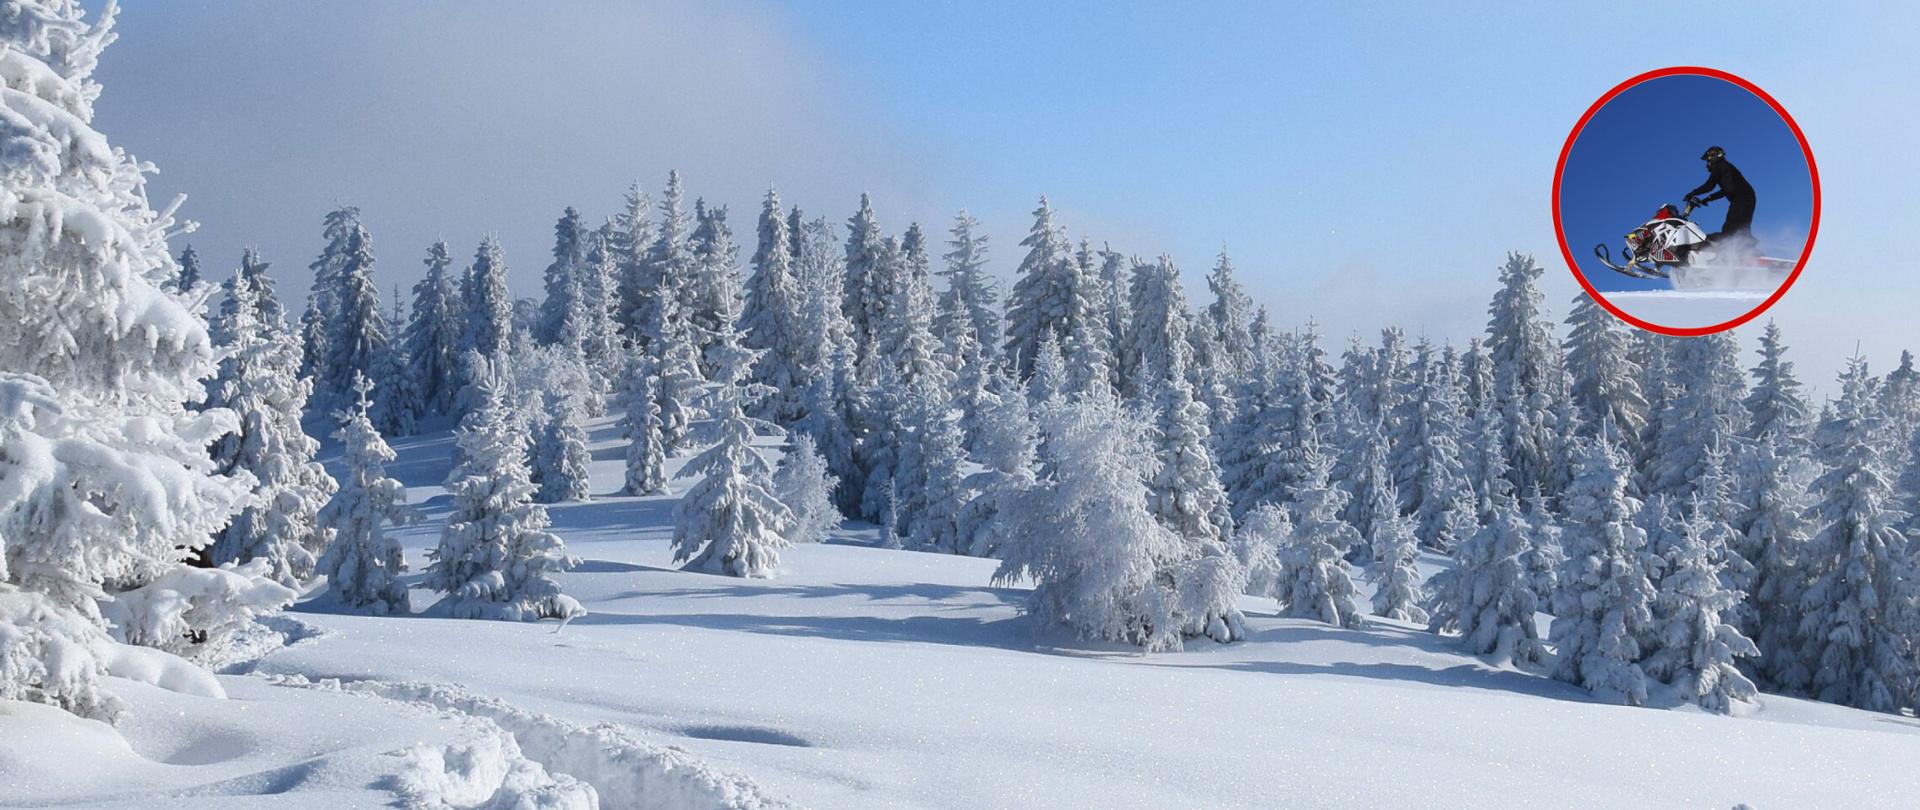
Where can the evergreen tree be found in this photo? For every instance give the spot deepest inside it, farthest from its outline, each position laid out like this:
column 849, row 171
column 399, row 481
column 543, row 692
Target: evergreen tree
column 773, row 320
column 1229, row 318
column 496, row 559
column 662, row 275
column 489, row 326
column 1606, row 383
column 730, row 522
column 1775, row 404
column 1703, row 410
column 628, row 244
column 933, row 474
column 1265, row 451
column 189, row 276
column 1155, row 347
column 1184, row 488
column 969, row 306
column 1695, row 647
column 560, row 454
column 562, row 309
column 1603, row 607
column 645, row 434
column 323, row 302
column 1857, row 616
column 356, row 334
column 1114, row 281
column 1398, row 592
column 1524, row 365
column 258, row 381
column 864, row 295
column 1040, row 299
column 1777, row 530
column 1006, row 451
column 1369, row 487
column 710, row 298
column 363, row 564
column 433, row 333
column 905, row 327
column 1047, row 383
column 802, row 482
column 1486, row 596
column 107, row 482
column 1313, row 581
column 398, row 413
column 595, row 331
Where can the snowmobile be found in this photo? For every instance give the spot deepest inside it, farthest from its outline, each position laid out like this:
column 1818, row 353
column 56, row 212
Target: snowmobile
column 1671, row 241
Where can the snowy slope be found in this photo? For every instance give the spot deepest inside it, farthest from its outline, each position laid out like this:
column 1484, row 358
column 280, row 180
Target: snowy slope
column 1683, row 309
column 872, row 678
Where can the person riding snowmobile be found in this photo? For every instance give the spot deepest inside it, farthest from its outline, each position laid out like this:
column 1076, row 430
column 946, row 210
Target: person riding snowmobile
column 1733, row 186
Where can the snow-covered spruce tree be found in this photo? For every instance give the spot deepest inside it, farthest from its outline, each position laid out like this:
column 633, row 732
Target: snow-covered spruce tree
column 644, row 431
column 1265, row 451
column 1038, row 303
column 1006, row 450
column 1086, row 344
column 933, row 471
column 1545, row 553
column 1703, row 410
column 1155, row 346
column 398, row 413
column 560, row 454
column 266, row 301
column 258, row 381
column 323, row 302
column 1184, row 484
column 1100, row 561
column 561, row 309
column 496, row 559
column 1369, row 487
column 675, row 359
column 731, row 522
column 905, row 328
column 802, row 482
column 108, row 484
column 710, row 298
column 832, row 403
column 1115, row 278
column 432, row 337
column 1485, row 596
column 970, row 303
column 1606, row 383
column 663, row 274
column 863, row 298
column 597, row 332
column 363, row 564
column 1900, row 405
column 356, row 332
column 1775, row 404
column 1435, row 468
column 1858, row 622
column 1694, row 647
column 488, row 331
column 189, row 275
column 630, row 236
column 773, row 320
column 1777, row 474
column 1313, row 582
column 1398, row 593
column 1525, row 368
column 1047, row 380
column 1603, row 607
column 1229, row 318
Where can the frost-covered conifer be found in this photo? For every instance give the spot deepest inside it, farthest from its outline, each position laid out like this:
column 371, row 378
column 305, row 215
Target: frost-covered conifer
column 258, row 381
column 970, row 303
column 1047, row 383
column 432, row 337
column 1524, row 365
column 1603, row 607
column 1703, row 410
column 560, row 454
column 802, row 482
column 1369, row 487
column 1005, row 448
column 1265, row 450
column 1313, row 582
column 863, row 294
column 1086, row 536
column 1038, row 304
column 1229, row 318
column 496, row 559
column 323, row 301
column 489, row 324
column 1184, row 485
column 1606, row 383
column 933, row 471
column 356, row 333
column 561, row 310
column 107, row 481
column 629, row 238
column 662, row 275
column 772, row 320
column 1398, row 592
column 1486, row 596
column 731, row 522
column 1695, row 647
column 362, row 563
column 905, row 330
column 644, row 430
column 1155, row 347
column 1858, row 624
column 1777, row 477
column 1775, row 404
column 189, row 275
column 710, row 298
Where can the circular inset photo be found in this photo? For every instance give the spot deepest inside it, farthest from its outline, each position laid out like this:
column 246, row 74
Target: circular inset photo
column 1686, row 201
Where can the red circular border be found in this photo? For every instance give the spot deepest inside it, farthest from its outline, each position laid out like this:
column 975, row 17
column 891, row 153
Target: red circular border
column 1559, row 232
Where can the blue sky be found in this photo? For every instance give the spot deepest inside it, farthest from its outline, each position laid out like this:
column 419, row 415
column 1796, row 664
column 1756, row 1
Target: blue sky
column 1643, row 150
column 1366, row 164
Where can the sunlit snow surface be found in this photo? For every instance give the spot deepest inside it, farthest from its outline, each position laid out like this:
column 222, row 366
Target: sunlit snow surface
column 871, row 678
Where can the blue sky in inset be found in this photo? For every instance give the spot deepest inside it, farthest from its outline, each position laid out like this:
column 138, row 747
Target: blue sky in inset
column 1643, row 149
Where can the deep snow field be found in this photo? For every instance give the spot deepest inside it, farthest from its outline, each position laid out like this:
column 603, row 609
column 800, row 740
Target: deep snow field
column 864, row 677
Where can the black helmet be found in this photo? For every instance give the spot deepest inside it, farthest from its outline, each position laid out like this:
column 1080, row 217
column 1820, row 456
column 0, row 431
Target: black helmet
column 1713, row 153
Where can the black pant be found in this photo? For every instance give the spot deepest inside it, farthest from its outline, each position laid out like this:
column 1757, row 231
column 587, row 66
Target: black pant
column 1739, row 216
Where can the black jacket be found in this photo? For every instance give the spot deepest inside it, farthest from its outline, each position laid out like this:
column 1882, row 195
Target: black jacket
column 1733, row 185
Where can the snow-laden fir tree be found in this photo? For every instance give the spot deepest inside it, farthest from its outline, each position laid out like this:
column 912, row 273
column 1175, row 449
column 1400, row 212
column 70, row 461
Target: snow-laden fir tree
column 1398, row 591
column 496, row 559
column 933, row 471
column 1115, row 280
column 488, row 332
column 356, row 331
column 1155, row 346
column 905, row 329
column 1485, row 596
column 772, row 319
column 433, row 333
column 710, row 296
column 323, row 305
column 1183, row 483
column 1005, row 449
column 731, row 521
column 1265, row 451
column 1047, row 380
column 1039, row 302
column 645, row 434
column 1435, row 468
column 1603, row 607
column 832, row 401
column 189, row 276
column 268, row 308
column 1545, row 553
column 259, row 382
column 1229, row 319
column 1085, row 535
column 1369, row 486
column 1312, row 582
column 1524, row 365
column 1775, row 404
column 596, row 330
column 1085, row 343
column 802, row 482
column 629, row 237
column 664, row 272
column 398, row 413
column 864, row 295
column 561, row 309
column 1695, row 648
column 108, row 485
column 362, row 563
column 1703, row 410
column 969, row 305
column 1858, row 622
column 560, row 454
column 1606, row 383
column 674, row 357
column 1777, row 477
